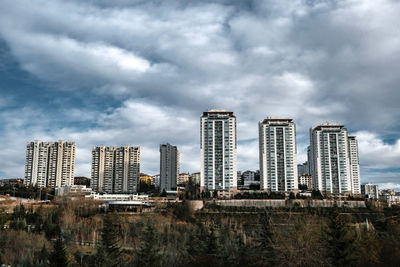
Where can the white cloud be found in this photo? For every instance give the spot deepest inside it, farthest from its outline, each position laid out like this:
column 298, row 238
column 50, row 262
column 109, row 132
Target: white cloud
column 375, row 153
column 165, row 63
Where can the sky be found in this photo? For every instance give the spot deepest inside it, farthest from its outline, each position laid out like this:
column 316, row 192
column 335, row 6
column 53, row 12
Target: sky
column 141, row 73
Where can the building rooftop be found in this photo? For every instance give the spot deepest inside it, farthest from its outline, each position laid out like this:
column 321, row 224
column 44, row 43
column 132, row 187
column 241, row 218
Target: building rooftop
column 276, row 119
column 218, row 111
column 328, row 125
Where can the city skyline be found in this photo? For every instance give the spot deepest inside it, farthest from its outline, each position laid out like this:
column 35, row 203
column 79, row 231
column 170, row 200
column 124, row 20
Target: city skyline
column 132, row 70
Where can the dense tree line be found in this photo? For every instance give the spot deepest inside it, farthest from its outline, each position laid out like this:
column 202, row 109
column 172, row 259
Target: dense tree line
column 79, row 233
column 23, row 191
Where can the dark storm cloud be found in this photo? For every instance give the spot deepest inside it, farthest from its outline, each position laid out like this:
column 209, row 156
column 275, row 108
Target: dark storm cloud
column 147, row 69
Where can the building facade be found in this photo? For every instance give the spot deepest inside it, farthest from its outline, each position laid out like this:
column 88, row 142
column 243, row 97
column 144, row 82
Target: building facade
column 303, row 168
column 354, row 165
column 277, row 148
column 183, row 178
column 195, row 178
column 218, row 150
column 305, row 179
column 50, row 164
column 330, row 159
column 115, row 169
column 169, row 167
column 370, row 190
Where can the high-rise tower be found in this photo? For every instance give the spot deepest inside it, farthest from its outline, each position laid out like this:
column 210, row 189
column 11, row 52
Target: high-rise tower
column 354, row 165
column 115, row 169
column 218, row 148
column 50, row 164
column 330, row 159
column 278, row 164
column 169, row 167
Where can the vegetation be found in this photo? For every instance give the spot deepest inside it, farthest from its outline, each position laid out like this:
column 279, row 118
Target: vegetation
column 33, row 192
column 79, row 233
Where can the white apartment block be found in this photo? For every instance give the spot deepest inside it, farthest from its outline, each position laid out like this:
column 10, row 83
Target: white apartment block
column 330, row 159
column 370, row 190
column 183, row 178
column 115, row 169
column 354, row 165
column 277, row 148
column 218, row 150
column 50, row 164
column 169, row 167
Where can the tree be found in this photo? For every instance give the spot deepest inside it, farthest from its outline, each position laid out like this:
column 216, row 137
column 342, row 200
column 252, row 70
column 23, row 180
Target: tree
column 367, row 248
column 108, row 250
column 42, row 256
column 163, row 193
column 147, row 254
column 340, row 245
column 266, row 247
column 316, row 194
column 212, row 244
column 59, row 257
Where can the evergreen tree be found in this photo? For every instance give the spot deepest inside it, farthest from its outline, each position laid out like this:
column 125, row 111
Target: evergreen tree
column 59, row 257
column 212, row 245
column 339, row 245
column 367, row 249
column 108, row 250
column 266, row 247
column 42, row 256
column 163, row 193
column 147, row 254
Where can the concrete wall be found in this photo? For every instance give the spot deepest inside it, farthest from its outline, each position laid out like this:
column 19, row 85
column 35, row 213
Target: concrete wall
column 276, row 203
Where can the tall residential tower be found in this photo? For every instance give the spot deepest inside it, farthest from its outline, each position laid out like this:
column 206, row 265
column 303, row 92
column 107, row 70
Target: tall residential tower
column 218, row 148
column 115, row 169
column 169, row 167
column 278, row 164
column 331, row 171
column 50, row 164
column 354, row 165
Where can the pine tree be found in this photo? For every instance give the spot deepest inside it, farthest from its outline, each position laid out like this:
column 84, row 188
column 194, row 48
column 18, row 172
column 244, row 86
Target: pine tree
column 340, row 246
column 42, row 256
column 59, row 257
column 212, row 247
column 367, row 249
column 147, row 254
column 266, row 247
column 108, row 252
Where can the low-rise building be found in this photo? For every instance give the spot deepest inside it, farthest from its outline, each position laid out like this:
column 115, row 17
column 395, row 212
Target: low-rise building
column 305, row 179
column 73, row 190
column 370, row 190
column 196, row 178
column 390, row 197
column 144, row 178
column 183, row 178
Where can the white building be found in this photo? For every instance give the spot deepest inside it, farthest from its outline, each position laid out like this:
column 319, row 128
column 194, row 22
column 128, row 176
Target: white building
column 354, row 165
column 115, row 169
column 195, row 178
column 218, row 148
column 370, row 190
column 330, row 159
column 169, row 167
column 277, row 147
column 183, row 178
column 305, row 179
column 249, row 178
column 50, row 164
column 156, row 180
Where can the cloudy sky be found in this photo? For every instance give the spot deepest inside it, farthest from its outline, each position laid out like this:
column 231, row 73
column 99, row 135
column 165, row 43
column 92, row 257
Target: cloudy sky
column 129, row 72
